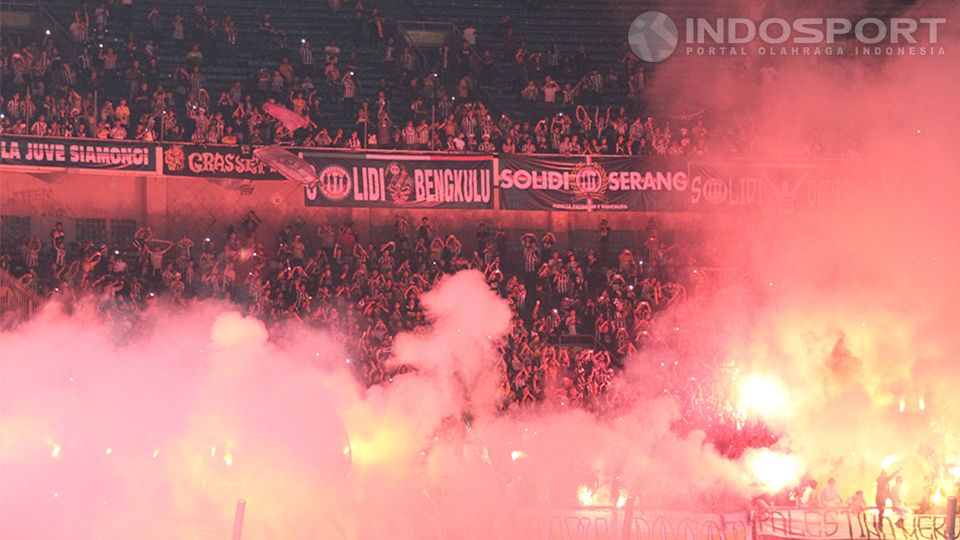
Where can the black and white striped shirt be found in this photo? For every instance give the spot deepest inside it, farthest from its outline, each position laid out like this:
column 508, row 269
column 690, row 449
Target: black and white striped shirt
column 531, row 258
column 306, row 56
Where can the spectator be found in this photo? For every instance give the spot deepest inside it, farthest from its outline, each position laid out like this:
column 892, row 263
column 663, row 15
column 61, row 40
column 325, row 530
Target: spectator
column 856, row 503
column 550, row 91
column 179, row 32
column 470, row 35
column 306, row 58
column 452, row 86
column 195, row 55
column 332, row 53
column 530, row 92
column 830, row 497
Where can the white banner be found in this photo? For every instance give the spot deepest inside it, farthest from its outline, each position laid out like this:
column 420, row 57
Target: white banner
column 837, row 523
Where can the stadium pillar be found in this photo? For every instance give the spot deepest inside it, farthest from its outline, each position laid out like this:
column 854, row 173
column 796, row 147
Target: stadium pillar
column 155, row 204
column 952, row 518
column 627, row 521
column 238, row 519
column 560, row 225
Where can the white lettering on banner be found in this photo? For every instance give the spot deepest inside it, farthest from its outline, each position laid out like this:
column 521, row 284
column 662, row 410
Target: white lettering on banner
column 619, row 180
column 45, row 152
column 368, row 185
column 215, row 162
column 109, row 155
column 740, row 191
column 34, row 151
column 446, row 185
column 75, row 153
column 9, row 150
column 382, row 184
column 841, row 524
column 539, row 180
column 650, row 181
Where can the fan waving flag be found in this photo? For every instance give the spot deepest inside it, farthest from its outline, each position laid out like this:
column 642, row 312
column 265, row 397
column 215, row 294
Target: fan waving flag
column 288, row 164
column 290, row 120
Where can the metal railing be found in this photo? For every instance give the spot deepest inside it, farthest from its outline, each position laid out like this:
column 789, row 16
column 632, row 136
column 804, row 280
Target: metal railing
column 17, row 301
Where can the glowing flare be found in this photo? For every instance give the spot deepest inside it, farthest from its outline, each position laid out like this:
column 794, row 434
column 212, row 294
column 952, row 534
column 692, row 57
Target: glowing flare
column 888, row 461
column 156, row 453
column 517, row 454
column 228, row 459
column 622, row 498
column 773, row 470
column 922, row 404
column 764, row 396
column 213, row 451
column 903, row 404
column 109, row 451
column 585, row 495
column 380, row 444
column 55, row 452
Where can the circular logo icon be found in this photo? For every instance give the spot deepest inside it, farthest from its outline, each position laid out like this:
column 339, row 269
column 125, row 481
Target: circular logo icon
column 653, row 36
column 590, row 179
column 714, row 191
column 334, row 183
column 589, row 182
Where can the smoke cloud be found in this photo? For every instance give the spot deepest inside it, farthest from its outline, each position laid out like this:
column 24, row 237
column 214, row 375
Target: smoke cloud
column 107, row 433
column 848, row 306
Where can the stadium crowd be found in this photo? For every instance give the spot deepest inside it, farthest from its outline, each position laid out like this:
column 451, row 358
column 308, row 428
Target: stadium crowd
column 576, row 315
column 87, row 86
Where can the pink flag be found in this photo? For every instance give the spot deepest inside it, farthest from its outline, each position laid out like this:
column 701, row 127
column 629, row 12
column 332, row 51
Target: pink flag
column 290, row 120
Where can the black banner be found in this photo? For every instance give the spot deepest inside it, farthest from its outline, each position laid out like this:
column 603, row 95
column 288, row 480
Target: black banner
column 77, row 153
column 782, row 186
column 214, row 162
column 400, row 180
column 664, row 184
column 593, row 183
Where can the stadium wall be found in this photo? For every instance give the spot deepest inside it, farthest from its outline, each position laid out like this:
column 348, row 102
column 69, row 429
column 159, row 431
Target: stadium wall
column 173, row 206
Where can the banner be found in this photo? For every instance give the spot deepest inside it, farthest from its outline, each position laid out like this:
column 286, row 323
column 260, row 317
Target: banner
column 667, row 184
column 77, row 153
column 841, row 524
column 400, row 180
column 593, row 183
column 597, row 522
column 214, row 162
column 779, row 185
